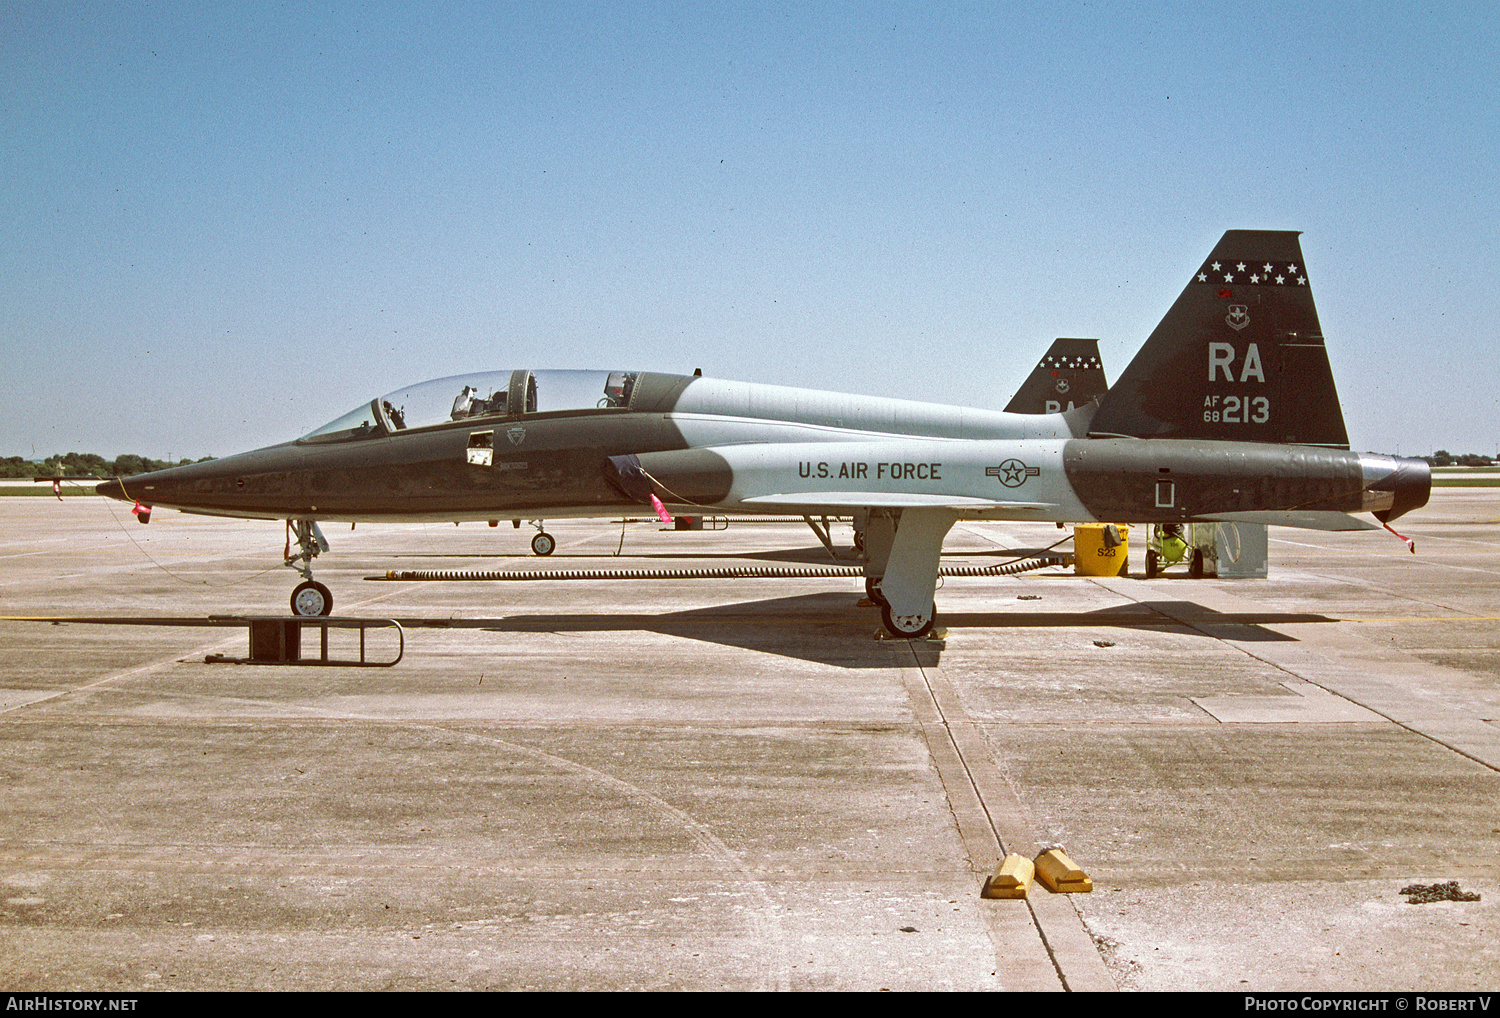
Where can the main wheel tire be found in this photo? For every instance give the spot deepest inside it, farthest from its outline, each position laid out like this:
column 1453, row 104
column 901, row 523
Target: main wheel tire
column 908, row 627
column 543, row 544
column 1195, row 569
column 311, row 599
column 873, row 591
column 1150, row 564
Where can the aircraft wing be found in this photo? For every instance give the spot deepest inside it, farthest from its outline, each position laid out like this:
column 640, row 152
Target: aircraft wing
column 992, row 479
column 1329, row 521
column 887, row 500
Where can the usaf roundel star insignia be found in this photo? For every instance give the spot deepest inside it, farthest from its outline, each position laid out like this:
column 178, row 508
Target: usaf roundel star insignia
column 1013, row 473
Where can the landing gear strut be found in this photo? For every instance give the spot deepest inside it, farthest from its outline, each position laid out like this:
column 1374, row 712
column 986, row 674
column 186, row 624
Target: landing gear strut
column 309, row 598
column 901, row 567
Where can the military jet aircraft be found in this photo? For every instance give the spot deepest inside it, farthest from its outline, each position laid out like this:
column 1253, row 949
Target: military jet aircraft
column 1228, row 412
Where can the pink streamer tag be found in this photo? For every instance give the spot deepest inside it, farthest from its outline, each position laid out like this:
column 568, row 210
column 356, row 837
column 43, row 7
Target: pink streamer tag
column 137, row 509
column 661, row 510
column 1411, row 545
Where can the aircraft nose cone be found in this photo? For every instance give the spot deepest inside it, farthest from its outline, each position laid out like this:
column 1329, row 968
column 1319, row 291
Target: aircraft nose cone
column 124, row 489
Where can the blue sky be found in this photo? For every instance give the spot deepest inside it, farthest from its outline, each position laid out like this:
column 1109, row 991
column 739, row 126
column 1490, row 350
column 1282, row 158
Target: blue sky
column 227, row 224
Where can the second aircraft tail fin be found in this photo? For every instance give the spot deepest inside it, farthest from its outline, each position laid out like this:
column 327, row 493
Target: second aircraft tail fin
column 1068, row 375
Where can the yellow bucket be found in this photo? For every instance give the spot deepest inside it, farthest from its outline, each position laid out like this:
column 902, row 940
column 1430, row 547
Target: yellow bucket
column 1092, row 554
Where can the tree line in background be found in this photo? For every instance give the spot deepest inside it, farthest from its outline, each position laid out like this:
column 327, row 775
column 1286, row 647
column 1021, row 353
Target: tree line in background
column 82, row 464
column 1444, row 458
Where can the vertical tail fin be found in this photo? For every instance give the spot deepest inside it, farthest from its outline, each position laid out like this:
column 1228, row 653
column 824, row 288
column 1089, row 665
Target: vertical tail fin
column 1239, row 357
column 1068, row 375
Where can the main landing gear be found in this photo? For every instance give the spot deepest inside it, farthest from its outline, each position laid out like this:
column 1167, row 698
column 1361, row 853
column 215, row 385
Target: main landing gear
column 901, row 552
column 309, row 598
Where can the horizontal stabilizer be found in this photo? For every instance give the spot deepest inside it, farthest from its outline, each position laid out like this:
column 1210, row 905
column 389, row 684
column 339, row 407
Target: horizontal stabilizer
column 1292, row 518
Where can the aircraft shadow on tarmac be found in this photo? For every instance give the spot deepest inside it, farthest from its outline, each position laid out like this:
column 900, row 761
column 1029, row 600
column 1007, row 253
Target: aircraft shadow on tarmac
column 1183, row 617
column 830, row 629
column 824, row 628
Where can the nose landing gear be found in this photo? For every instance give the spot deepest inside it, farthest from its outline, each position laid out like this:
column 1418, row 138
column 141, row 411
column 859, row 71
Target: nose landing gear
column 309, row 598
column 542, row 543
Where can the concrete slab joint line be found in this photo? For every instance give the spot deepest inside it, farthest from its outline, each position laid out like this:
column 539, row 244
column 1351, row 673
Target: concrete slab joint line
column 992, row 821
column 1327, row 689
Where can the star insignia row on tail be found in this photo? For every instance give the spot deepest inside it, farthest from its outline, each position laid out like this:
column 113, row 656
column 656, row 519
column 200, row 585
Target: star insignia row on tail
column 1071, row 362
column 1257, row 274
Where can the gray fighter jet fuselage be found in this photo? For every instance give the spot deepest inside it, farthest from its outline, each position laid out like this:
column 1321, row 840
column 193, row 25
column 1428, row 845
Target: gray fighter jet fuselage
column 1227, row 413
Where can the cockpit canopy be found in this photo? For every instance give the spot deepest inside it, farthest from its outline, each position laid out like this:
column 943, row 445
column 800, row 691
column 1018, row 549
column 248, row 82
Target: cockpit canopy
column 482, row 395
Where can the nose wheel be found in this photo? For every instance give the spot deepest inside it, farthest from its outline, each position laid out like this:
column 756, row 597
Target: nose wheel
column 310, row 599
column 543, row 543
